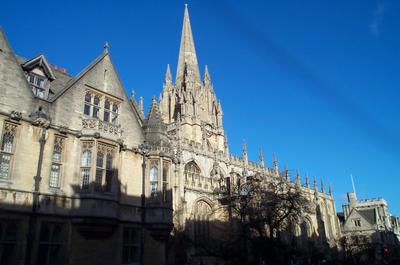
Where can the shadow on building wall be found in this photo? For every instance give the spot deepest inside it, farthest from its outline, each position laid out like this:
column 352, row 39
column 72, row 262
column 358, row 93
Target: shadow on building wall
column 98, row 224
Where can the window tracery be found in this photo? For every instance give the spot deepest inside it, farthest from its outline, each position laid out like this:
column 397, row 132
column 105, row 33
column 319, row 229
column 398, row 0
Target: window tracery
column 7, row 150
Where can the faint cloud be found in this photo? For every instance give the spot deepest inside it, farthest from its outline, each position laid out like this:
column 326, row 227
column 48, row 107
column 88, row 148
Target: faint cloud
column 375, row 26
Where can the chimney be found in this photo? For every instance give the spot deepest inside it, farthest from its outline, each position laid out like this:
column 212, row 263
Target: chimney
column 63, row 70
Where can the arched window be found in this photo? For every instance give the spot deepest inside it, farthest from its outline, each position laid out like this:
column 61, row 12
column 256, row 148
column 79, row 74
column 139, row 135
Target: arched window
column 86, row 161
column 153, row 179
column 202, row 216
column 6, row 151
column 192, row 172
column 55, row 174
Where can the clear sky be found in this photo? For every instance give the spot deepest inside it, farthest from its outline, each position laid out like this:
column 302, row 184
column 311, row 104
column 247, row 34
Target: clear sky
column 315, row 82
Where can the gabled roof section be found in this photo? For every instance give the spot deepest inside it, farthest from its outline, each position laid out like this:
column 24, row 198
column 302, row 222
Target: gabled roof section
column 81, row 74
column 39, row 61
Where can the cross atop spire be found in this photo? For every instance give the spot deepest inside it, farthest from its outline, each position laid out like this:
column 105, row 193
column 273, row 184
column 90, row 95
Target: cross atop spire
column 187, row 54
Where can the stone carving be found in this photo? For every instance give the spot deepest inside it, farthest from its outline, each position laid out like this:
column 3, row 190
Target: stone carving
column 101, row 126
column 16, row 115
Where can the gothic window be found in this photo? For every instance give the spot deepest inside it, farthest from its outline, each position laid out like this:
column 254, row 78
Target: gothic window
column 92, row 105
column 99, row 170
column 153, row 179
column 51, row 244
column 130, row 246
column 165, row 181
column 8, row 242
column 202, row 216
column 114, row 114
column 88, row 103
column 86, row 161
column 104, row 168
column 96, row 106
column 107, row 109
column 109, row 172
column 55, row 173
column 192, row 172
column 6, row 152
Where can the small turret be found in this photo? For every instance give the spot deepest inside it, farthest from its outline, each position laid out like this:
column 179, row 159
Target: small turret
column 307, row 181
column 322, row 186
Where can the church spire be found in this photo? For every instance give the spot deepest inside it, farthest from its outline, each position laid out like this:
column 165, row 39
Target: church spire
column 187, row 54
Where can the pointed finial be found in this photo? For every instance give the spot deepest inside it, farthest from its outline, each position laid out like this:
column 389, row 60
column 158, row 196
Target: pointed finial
column 298, row 179
column 133, row 95
column 244, row 151
column 106, row 47
column 153, row 99
column 261, row 157
column 207, row 77
column 168, row 75
column 287, row 172
column 315, row 183
column 322, row 186
column 307, row 181
column 330, row 189
column 275, row 165
column 141, row 105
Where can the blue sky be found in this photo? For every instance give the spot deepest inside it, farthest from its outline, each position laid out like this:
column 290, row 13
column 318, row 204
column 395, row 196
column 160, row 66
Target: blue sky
column 315, row 82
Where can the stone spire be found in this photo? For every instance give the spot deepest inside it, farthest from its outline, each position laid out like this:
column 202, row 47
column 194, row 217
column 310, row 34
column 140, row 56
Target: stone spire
column 330, row 189
column 261, row 157
column 187, row 61
column 322, row 186
column 307, row 181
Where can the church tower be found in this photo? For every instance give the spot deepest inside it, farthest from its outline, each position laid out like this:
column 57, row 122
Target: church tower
column 191, row 102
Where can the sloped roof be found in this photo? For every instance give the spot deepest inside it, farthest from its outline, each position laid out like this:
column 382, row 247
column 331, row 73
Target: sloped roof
column 368, row 215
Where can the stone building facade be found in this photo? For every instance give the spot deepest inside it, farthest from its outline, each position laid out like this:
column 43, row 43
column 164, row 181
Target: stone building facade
column 87, row 178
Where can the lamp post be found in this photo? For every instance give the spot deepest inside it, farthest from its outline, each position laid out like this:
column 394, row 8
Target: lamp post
column 144, row 151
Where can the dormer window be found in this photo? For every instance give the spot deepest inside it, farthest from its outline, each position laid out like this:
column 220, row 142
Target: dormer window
column 39, row 74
